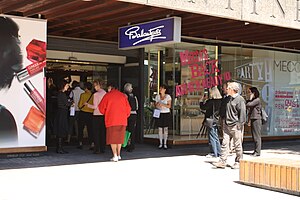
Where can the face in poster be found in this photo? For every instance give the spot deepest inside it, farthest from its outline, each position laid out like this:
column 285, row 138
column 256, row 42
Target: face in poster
column 22, row 104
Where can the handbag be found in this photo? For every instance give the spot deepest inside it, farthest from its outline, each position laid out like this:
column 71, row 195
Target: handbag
column 209, row 122
column 264, row 116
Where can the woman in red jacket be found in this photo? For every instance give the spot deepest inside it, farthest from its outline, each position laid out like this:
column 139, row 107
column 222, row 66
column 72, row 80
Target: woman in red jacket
column 116, row 110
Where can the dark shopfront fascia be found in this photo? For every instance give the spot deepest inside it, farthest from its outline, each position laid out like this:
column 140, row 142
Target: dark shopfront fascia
column 275, row 72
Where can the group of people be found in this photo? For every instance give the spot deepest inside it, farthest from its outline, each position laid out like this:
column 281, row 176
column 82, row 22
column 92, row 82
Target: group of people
column 229, row 114
column 106, row 115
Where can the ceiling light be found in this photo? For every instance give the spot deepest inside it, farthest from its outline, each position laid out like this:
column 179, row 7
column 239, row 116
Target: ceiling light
column 247, row 23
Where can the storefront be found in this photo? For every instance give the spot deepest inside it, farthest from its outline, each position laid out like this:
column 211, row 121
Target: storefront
column 191, row 66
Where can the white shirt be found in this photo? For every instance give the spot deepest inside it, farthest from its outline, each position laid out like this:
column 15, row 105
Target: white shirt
column 164, row 101
column 75, row 94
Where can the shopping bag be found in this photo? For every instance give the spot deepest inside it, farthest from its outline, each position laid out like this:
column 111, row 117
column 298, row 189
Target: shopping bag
column 126, row 138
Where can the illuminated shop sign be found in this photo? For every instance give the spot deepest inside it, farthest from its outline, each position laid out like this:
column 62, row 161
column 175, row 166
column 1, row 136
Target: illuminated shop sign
column 161, row 31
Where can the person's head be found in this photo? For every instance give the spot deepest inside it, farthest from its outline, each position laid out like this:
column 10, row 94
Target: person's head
column 232, row 88
column 63, row 86
column 88, row 86
column 111, row 86
column 128, row 88
column 254, row 91
column 10, row 51
column 224, row 88
column 214, row 93
column 75, row 84
column 97, row 84
column 163, row 89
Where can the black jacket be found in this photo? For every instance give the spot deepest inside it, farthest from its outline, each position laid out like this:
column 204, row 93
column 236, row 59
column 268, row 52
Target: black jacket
column 212, row 107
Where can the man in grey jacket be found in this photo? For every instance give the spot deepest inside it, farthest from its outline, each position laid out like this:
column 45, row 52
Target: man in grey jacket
column 234, row 125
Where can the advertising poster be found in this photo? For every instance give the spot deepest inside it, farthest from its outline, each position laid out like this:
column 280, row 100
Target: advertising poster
column 22, row 85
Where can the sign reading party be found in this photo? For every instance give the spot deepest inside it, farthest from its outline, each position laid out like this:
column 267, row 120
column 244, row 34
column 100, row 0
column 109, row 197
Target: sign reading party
column 204, row 72
column 161, row 31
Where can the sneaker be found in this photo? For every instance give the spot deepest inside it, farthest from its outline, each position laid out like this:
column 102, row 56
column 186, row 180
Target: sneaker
column 210, row 155
column 160, row 146
column 165, row 147
column 119, row 158
column 236, row 165
column 220, row 165
column 114, row 159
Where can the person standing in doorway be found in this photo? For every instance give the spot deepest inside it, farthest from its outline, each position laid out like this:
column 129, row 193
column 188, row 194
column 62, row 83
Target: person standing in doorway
column 163, row 103
column 75, row 95
column 99, row 130
column 116, row 110
column 61, row 124
column 133, row 102
column 254, row 114
column 86, row 116
column 234, row 125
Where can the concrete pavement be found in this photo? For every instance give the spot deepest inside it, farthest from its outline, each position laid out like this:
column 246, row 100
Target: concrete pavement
column 147, row 173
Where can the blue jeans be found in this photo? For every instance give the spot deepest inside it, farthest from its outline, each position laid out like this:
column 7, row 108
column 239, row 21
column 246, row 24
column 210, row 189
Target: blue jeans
column 214, row 141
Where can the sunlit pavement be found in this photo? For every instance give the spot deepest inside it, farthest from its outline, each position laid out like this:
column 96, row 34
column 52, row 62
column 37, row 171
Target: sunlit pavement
column 172, row 177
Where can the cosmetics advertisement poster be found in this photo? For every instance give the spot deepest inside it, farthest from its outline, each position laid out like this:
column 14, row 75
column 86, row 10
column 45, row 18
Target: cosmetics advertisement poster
column 22, row 85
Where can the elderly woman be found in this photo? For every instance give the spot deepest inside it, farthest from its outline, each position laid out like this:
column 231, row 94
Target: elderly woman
column 116, row 110
column 212, row 108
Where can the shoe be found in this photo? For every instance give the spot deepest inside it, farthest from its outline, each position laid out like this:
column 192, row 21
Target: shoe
column 220, row 165
column 255, row 155
column 114, row 159
column 210, row 155
column 236, row 165
column 160, row 146
column 165, row 147
column 119, row 158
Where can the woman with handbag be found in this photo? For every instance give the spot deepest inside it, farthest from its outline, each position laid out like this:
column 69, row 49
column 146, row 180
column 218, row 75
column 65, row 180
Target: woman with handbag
column 254, row 114
column 211, row 121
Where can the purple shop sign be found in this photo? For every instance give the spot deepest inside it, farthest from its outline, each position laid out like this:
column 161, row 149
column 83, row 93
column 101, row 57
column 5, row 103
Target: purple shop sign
column 160, row 31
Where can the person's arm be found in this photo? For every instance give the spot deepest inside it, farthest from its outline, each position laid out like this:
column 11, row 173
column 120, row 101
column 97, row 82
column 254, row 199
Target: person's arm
column 253, row 103
column 242, row 112
column 94, row 105
column 137, row 103
column 102, row 105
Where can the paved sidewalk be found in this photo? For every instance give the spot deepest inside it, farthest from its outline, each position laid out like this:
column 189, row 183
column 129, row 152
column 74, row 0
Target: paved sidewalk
column 147, row 173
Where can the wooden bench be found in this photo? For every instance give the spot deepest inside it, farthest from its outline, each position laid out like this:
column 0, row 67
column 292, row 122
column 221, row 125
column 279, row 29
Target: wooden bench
column 272, row 173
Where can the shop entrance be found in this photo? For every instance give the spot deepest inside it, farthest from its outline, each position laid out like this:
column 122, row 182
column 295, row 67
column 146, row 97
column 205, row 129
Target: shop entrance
column 82, row 72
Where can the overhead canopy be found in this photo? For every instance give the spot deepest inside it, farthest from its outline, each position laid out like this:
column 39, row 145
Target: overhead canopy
column 100, row 20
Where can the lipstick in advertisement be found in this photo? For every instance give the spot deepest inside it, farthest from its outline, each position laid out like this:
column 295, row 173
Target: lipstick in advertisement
column 35, row 96
column 31, row 70
column 34, row 121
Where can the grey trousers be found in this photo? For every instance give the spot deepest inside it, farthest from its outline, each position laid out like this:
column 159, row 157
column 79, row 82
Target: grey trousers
column 256, row 134
column 237, row 135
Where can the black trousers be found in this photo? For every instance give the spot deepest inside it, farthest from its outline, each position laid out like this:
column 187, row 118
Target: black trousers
column 85, row 119
column 256, row 134
column 131, row 126
column 99, row 132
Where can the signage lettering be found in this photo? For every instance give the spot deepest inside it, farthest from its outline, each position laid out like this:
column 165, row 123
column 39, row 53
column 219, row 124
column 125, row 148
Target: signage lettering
column 288, row 66
column 297, row 11
column 152, row 34
column 201, row 67
column 254, row 7
column 280, row 7
column 229, row 5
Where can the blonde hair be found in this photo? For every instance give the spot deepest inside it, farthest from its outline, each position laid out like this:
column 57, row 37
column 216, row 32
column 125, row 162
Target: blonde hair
column 234, row 86
column 214, row 93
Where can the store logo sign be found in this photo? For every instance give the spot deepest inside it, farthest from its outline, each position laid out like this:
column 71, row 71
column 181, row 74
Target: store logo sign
column 161, row 31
